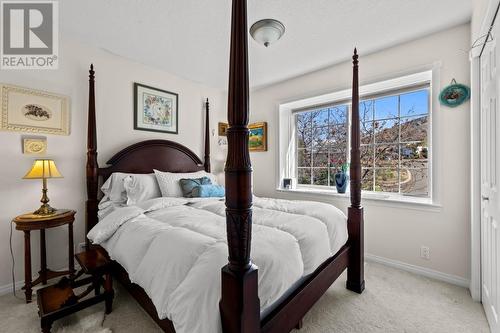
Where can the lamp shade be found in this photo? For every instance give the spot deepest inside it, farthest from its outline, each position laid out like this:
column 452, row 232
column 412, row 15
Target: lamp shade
column 43, row 169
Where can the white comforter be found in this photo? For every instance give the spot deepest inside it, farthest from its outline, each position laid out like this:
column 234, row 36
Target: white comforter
column 174, row 249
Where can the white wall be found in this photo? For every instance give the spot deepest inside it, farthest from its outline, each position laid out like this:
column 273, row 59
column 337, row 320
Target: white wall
column 114, row 93
column 480, row 8
column 394, row 231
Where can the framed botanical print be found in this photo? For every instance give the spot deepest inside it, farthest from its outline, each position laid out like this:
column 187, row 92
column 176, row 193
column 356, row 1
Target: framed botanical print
column 33, row 111
column 258, row 137
column 155, row 110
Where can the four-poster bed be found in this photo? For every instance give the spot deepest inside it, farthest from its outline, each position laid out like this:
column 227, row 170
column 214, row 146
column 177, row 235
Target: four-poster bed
column 239, row 302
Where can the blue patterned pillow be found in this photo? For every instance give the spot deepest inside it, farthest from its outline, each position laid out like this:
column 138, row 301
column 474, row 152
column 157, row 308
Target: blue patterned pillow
column 208, row 191
column 188, row 184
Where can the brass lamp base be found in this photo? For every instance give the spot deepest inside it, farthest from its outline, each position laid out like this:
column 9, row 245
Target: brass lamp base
column 45, row 209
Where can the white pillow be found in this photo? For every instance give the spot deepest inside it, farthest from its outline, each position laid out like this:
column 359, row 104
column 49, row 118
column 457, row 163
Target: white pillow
column 114, row 189
column 141, row 187
column 169, row 181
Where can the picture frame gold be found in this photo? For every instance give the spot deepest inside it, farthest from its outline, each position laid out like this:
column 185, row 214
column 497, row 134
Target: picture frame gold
column 33, row 111
column 34, row 146
column 223, row 129
column 258, row 137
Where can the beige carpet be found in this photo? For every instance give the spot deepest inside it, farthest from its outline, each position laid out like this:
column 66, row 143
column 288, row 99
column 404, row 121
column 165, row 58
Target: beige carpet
column 394, row 301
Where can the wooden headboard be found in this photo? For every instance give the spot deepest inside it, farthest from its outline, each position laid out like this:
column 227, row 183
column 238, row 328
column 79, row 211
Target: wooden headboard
column 141, row 157
column 145, row 156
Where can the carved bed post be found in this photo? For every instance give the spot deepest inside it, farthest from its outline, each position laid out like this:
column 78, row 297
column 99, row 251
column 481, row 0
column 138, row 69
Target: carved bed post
column 206, row 163
column 92, row 166
column 239, row 305
column 355, row 270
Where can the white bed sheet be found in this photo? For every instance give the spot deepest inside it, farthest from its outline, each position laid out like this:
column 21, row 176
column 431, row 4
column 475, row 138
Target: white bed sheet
column 174, row 249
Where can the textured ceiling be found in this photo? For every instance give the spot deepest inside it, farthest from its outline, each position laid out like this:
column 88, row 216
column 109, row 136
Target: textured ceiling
column 190, row 38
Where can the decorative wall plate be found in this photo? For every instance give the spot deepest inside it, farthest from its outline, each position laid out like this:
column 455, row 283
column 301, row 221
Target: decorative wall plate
column 454, row 95
column 35, row 146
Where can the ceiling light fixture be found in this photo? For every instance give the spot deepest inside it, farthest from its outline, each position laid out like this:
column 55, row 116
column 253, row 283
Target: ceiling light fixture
column 267, row 31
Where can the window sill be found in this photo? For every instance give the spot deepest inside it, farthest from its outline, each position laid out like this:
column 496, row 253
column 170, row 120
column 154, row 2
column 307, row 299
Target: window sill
column 373, row 199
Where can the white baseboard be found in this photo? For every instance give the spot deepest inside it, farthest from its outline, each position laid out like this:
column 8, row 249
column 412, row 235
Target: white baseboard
column 7, row 289
column 430, row 273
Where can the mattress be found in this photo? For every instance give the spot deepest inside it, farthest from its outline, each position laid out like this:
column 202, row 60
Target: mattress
column 174, row 248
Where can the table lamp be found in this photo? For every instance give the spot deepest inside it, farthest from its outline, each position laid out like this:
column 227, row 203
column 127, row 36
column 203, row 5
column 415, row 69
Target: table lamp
column 43, row 169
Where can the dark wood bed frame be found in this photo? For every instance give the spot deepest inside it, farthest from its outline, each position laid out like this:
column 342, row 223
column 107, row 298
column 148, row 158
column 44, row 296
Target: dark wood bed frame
column 239, row 304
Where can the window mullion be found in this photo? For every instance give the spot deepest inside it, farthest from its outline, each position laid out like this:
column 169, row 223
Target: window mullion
column 374, row 147
column 311, row 170
column 328, row 149
column 399, row 144
column 296, row 164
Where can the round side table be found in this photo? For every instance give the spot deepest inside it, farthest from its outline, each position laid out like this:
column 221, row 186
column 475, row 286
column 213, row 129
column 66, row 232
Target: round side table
column 27, row 223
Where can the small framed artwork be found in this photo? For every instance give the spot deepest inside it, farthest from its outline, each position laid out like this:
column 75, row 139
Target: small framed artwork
column 258, row 137
column 155, row 110
column 33, row 111
column 223, row 129
column 287, row 183
column 34, row 146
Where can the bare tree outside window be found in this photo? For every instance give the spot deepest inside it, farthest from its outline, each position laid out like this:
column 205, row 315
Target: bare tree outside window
column 394, row 143
column 321, row 144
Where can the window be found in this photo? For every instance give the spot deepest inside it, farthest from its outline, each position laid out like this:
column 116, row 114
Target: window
column 322, row 137
column 394, row 142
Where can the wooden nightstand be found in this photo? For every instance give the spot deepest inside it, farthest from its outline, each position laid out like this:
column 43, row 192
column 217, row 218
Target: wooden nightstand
column 29, row 222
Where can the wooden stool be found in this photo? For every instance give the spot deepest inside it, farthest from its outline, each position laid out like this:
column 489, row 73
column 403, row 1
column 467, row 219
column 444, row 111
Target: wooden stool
column 60, row 300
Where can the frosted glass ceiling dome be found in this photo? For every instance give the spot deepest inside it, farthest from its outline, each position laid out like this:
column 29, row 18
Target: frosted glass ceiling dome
column 267, row 31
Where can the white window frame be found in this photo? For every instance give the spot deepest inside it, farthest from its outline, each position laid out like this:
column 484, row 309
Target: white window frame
column 287, row 139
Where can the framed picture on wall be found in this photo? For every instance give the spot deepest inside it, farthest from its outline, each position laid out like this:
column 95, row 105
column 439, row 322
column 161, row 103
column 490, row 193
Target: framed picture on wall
column 258, row 137
column 33, row 111
column 223, row 129
column 155, row 110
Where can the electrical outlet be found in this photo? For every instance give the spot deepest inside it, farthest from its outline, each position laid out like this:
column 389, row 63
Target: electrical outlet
column 425, row 252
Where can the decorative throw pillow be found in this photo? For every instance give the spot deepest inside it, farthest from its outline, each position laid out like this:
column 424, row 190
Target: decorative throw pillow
column 187, row 185
column 208, row 191
column 169, row 181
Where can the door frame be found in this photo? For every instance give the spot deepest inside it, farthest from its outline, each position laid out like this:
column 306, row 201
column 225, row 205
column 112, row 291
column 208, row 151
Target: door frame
column 475, row 152
column 475, row 174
